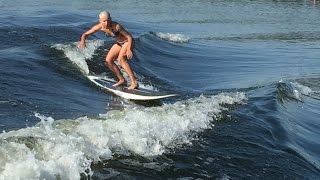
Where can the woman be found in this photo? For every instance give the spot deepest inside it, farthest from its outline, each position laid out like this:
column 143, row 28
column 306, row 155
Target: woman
column 121, row 50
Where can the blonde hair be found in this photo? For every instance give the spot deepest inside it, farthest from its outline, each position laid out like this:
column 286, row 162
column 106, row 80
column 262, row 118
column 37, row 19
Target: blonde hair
column 104, row 14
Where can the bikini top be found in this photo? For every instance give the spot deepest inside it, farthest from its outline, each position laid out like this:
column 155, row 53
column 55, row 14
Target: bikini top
column 114, row 32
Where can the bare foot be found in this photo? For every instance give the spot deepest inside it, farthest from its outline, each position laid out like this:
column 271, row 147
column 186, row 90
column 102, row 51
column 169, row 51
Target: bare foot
column 120, row 82
column 133, row 85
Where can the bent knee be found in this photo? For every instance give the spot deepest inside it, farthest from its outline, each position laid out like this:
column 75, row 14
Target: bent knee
column 109, row 60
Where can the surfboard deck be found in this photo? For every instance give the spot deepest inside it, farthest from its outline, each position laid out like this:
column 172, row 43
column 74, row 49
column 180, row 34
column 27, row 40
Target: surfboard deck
column 122, row 91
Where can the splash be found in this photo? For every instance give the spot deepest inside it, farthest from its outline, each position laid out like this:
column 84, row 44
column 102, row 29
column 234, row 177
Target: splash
column 42, row 152
column 305, row 90
column 299, row 90
column 293, row 90
column 178, row 38
column 78, row 56
column 65, row 149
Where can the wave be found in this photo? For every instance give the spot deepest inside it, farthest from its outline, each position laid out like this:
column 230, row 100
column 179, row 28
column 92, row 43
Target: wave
column 293, row 90
column 177, row 38
column 66, row 148
column 304, row 90
column 79, row 56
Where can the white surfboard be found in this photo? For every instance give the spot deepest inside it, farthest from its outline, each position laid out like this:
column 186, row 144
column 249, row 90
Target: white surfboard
column 122, row 91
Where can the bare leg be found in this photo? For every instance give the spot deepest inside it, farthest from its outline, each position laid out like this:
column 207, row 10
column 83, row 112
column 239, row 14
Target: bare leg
column 114, row 68
column 125, row 65
column 110, row 58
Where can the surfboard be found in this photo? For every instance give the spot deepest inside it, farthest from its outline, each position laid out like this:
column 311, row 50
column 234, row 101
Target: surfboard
column 122, row 91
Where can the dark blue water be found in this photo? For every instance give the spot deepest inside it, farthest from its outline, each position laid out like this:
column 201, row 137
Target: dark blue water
column 247, row 75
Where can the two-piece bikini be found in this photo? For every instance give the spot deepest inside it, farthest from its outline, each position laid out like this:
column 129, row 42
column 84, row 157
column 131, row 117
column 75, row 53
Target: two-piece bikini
column 117, row 33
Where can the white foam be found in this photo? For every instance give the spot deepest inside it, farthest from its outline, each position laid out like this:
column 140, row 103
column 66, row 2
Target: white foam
column 305, row 90
column 179, row 38
column 50, row 154
column 299, row 90
column 77, row 55
column 66, row 148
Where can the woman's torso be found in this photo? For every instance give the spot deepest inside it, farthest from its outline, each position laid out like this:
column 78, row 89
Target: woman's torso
column 113, row 32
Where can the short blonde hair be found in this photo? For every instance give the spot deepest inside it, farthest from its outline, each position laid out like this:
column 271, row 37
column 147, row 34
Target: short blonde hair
column 104, row 14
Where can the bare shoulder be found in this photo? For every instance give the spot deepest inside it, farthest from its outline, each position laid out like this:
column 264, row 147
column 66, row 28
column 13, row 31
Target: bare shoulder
column 116, row 26
column 97, row 27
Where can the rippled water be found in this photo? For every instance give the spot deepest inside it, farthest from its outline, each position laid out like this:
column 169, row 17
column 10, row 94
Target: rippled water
column 247, row 75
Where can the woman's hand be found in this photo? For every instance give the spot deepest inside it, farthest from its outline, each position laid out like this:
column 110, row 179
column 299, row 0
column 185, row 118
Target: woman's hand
column 129, row 54
column 82, row 44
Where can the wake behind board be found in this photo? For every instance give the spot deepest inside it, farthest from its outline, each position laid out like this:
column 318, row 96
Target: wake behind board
column 136, row 94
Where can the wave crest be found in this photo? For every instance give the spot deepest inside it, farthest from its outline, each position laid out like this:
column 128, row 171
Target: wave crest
column 66, row 148
column 178, row 38
column 293, row 90
column 78, row 56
